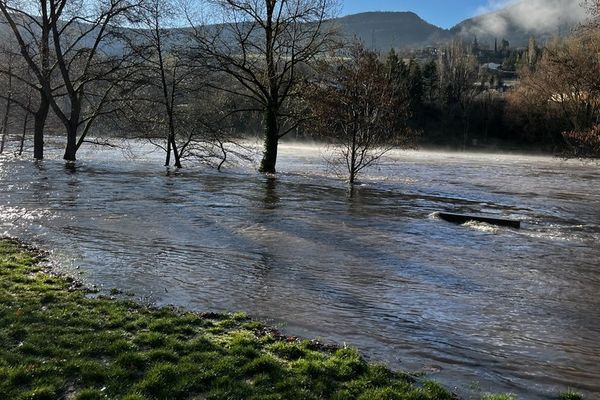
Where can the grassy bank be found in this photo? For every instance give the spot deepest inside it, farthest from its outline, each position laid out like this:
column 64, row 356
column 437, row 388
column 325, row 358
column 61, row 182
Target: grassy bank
column 57, row 342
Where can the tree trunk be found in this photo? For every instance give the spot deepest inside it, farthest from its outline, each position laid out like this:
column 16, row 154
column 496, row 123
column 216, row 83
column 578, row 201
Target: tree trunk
column 269, row 160
column 466, row 133
column 5, row 126
column 22, row 144
column 71, row 149
column 465, row 121
column 39, row 124
column 72, row 128
column 6, row 112
column 175, row 152
column 168, row 158
column 171, row 142
column 353, row 159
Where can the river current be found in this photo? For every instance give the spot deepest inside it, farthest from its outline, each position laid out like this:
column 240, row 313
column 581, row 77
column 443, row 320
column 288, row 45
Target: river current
column 479, row 307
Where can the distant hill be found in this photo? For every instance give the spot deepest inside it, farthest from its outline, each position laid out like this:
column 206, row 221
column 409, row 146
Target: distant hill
column 385, row 30
column 542, row 19
column 382, row 31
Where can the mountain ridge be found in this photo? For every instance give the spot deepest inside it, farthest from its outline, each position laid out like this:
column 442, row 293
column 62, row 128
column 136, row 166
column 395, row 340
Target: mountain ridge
column 384, row 29
column 542, row 19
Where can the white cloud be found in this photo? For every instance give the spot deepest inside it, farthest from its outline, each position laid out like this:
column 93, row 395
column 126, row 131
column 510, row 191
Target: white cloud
column 528, row 15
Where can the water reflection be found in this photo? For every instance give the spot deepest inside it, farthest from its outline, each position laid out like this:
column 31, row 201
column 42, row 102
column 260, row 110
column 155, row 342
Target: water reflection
column 271, row 198
column 513, row 310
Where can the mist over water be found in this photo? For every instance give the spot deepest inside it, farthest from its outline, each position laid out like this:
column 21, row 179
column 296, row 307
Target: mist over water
column 485, row 308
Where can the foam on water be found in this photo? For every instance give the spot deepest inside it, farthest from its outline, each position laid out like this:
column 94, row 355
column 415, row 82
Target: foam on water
column 481, row 226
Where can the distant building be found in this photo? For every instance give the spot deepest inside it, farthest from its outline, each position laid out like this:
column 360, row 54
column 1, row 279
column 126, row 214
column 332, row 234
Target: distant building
column 492, row 66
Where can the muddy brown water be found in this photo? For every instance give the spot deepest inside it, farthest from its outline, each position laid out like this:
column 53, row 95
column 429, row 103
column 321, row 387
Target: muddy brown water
column 478, row 307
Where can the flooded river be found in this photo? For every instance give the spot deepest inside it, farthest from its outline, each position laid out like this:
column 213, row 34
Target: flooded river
column 483, row 308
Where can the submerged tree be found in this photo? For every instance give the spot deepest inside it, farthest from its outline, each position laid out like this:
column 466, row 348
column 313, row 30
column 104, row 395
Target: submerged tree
column 263, row 46
column 92, row 61
column 8, row 98
column 18, row 95
column 165, row 75
column 71, row 49
column 29, row 25
column 175, row 106
column 361, row 111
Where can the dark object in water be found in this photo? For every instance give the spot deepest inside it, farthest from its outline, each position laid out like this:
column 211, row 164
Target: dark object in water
column 461, row 219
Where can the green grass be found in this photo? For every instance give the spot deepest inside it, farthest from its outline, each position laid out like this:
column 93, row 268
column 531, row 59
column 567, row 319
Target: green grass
column 57, row 343
column 498, row 397
column 570, row 395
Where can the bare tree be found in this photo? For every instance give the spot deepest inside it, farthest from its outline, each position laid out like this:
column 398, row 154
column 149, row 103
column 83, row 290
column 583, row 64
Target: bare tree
column 360, row 111
column 563, row 87
column 584, row 143
column 263, row 45
column 30, row 25
column 166, row 76
column 567, row 78
column 214, row 117
column 62, row 39
column 26, row 115
column 18, row 94
column 593, row 7
column 89, row 55
column 174, row 101
column 8, row 98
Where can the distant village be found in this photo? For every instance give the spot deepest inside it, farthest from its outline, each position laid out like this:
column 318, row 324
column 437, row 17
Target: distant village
column 498, row 65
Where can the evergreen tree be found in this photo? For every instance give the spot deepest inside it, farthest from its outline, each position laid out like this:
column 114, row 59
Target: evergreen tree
column 414, row 81
column 430, row 82
column 533, row 53
column 476, row 48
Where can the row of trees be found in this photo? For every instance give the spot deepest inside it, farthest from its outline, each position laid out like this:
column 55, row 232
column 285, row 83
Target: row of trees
column 443, row 93
column 560, row 93
column 553, row 102
column 159, row 70
column 138, row 63
column 59, row 44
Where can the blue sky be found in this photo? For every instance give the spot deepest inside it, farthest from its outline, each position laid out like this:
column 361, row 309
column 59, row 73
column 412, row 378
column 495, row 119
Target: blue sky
column 444, row 13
